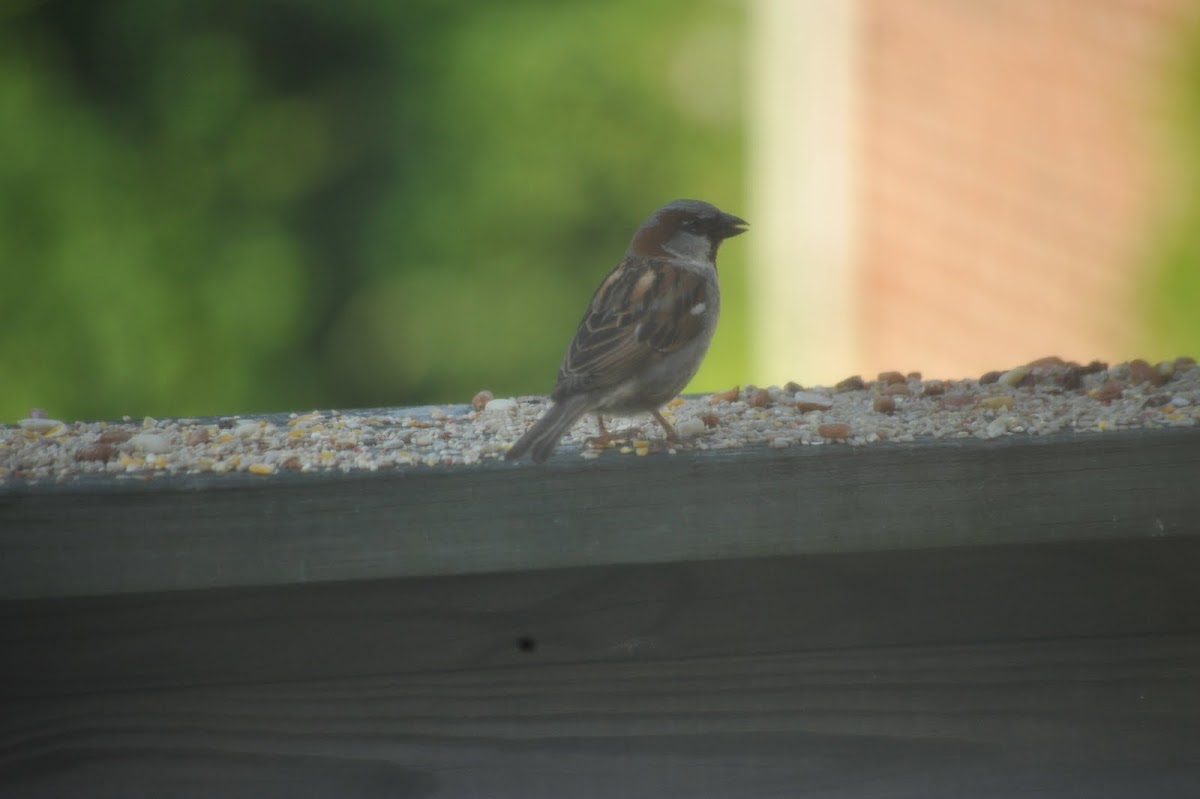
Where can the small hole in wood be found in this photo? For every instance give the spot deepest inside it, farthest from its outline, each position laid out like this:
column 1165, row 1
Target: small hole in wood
column 526, row 643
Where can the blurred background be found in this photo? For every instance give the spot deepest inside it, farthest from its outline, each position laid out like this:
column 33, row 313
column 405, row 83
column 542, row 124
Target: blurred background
column 220, row 206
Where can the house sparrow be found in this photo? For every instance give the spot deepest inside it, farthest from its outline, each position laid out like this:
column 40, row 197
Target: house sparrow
column 647, row 327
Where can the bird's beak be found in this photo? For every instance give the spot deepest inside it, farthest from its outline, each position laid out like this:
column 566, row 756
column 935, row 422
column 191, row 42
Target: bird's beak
column 730, row 226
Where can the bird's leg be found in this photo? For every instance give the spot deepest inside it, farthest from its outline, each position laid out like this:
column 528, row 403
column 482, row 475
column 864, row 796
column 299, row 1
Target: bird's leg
column 607, row 437
column 671, row 434
column 604, row 439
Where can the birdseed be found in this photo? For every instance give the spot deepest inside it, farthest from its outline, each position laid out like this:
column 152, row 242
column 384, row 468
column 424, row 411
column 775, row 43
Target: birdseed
column 1045, row 397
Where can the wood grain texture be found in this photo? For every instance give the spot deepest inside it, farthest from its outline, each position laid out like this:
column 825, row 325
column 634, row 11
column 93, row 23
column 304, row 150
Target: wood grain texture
column 680, row 610
column 1101, row 718
column 983, row 619
column 1063, row 669
column 109, row 537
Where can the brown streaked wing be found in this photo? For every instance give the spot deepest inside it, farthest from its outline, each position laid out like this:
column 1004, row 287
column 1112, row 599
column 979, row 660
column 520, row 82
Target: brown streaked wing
column 641, row 312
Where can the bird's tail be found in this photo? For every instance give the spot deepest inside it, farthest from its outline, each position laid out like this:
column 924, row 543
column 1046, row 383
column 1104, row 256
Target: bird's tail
column 541, row 439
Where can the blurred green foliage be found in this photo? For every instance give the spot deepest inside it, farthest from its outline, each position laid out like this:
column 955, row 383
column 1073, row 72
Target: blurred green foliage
column 214, row 206
column 1173, row 293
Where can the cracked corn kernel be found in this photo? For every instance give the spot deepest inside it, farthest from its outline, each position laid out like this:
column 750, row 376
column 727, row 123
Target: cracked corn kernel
column 728, row 395
column 996, row 403
column 308, row 417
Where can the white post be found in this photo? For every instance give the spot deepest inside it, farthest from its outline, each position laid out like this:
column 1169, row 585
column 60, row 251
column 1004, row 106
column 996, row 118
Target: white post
column 802, row 190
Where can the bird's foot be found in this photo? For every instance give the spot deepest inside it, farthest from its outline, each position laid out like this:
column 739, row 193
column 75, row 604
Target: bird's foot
column 602, row 441
column 610, row 438
column 672, row 436
column 599, row 442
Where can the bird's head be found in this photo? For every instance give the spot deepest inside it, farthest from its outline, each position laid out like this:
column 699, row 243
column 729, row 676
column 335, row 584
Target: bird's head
column 688, row 229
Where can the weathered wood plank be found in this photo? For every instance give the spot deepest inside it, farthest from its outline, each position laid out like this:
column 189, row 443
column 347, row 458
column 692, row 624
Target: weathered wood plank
column 680, row 610
column 1103, row 717
column 984, row 619
column 1071, row 669
column 111, row 538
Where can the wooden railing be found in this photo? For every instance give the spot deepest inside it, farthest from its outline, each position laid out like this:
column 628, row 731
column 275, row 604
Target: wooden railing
column 943, row 619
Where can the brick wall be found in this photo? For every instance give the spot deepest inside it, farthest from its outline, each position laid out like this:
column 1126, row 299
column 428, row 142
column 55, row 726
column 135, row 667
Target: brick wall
column 1007, row 177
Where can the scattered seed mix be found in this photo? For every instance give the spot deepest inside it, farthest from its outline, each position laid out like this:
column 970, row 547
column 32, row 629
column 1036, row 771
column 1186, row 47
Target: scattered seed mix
column 1044, row 397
